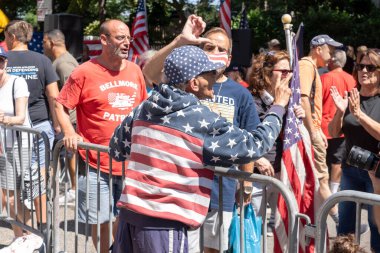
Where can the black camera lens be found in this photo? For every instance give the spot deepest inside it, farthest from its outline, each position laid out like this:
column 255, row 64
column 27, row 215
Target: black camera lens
column 362, row 159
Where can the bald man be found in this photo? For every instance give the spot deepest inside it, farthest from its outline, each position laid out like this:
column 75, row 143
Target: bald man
column 104, row 91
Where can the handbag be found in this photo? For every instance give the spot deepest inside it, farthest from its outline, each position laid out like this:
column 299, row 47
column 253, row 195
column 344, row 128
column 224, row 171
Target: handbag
column 252, row 231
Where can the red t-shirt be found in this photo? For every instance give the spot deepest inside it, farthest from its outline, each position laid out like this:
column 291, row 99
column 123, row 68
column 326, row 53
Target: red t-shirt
column 102, row 98
column 343, row 82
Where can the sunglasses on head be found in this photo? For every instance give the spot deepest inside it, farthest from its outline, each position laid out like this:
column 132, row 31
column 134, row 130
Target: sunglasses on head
column 369, row 67
column 284, row 72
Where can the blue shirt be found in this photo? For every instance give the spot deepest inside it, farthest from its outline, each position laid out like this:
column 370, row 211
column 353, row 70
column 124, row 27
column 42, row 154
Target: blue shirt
column 235, row 103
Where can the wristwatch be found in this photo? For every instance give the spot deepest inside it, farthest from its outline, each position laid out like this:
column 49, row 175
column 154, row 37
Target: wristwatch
column 248, row 189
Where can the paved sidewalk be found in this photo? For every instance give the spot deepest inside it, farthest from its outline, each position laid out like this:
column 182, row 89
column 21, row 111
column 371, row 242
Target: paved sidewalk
column 7, row 234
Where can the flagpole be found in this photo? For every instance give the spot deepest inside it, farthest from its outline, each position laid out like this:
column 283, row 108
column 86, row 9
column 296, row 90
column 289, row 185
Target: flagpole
column 286, row 21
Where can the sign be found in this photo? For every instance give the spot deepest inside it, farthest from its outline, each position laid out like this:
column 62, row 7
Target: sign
column 44, row 7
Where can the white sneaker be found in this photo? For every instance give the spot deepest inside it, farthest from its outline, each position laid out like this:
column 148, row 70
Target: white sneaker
column 70, row 197
column 24, row 244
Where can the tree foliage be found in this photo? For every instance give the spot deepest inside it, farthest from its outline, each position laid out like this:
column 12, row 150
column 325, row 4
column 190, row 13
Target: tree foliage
column 353, row 22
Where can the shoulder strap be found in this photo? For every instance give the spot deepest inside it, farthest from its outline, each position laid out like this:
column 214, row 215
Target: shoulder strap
column 313, row 87
column 14, row 104
column 13, row 96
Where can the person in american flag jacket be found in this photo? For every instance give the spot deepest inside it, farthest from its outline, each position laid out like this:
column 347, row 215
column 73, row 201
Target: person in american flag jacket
column 172, row 142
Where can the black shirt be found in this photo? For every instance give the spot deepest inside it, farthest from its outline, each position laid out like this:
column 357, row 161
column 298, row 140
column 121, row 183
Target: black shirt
column 355, row 134
column 38, row 72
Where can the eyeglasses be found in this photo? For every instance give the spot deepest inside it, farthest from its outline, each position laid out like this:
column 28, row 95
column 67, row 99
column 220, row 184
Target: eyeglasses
column 121, row 38
column 284, row 72
column 369, row 67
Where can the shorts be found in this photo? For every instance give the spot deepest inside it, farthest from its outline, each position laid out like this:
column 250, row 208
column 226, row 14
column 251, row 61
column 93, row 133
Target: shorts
column 46, row 127
column 103, row 209
column 335, row 151
column 211, row 231
column 10, row 177
column 130, row 238
column 320, row 159
column 38, row 151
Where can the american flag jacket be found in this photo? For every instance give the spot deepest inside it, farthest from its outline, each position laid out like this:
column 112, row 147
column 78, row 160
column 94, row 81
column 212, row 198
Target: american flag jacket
column 172, row 142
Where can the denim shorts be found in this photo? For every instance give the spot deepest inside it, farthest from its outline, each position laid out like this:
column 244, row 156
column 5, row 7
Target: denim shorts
column 46, row 127
column 104, row 202
column 32, row 188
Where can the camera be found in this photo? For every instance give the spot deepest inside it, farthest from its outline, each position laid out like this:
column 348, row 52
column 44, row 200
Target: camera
column 364, row 159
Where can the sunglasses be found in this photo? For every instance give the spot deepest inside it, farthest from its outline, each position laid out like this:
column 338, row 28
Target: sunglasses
column 284, row 72
column 370, row 68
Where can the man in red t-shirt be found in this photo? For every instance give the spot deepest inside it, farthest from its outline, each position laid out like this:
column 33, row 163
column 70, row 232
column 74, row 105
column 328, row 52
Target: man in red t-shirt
column 104, row 91
column 343, row 82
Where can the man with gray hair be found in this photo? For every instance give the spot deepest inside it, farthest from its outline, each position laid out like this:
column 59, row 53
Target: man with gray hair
column 344, row 82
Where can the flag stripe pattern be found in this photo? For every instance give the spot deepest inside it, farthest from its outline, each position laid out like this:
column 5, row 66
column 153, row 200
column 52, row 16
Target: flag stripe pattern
column 225, row 15
column 139, row 33
column 94, row 46
column 187, row 197
column 297, row 170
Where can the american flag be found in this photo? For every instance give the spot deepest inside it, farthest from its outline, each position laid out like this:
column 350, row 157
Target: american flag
column 243, row 19
column 36, row 42
column 93, row 44
column 297, row 171
column 139, row 33
column 225, row 15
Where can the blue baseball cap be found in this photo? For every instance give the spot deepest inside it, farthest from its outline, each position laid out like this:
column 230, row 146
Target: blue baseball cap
column 187, row 62
column 3, row 53
column 322, row 39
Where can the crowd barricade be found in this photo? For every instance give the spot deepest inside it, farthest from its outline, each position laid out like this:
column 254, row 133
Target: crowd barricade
column 293, row 215
column 62, row 219
column 76, row 245
column 16, row 151
column 360, row 198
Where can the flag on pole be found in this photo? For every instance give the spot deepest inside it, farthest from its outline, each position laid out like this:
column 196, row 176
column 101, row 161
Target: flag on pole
column 4, row 20
column 297, row 171
column 243, row 19
column 140, row 43
column 225, row 16
column 299, row 40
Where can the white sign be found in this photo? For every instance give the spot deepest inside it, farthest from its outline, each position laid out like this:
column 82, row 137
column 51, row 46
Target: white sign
column 44, row 7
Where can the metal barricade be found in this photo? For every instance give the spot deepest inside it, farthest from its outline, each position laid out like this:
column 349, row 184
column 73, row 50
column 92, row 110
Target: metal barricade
column 13, row 158
column 359, row 198
column 280, row 187
column 222, row 172
column 77, row 243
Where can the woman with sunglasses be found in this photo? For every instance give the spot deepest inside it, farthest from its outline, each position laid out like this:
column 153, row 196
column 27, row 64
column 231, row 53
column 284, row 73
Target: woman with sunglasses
column 267, row 71
column 358, row 118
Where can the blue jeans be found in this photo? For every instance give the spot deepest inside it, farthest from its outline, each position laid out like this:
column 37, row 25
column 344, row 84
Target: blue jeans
column 358, row 180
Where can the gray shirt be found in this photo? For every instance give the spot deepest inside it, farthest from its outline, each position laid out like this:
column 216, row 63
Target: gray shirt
column 64, row 65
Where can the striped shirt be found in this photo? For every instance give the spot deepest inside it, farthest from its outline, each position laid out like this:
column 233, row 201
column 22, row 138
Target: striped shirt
column 172, row 143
